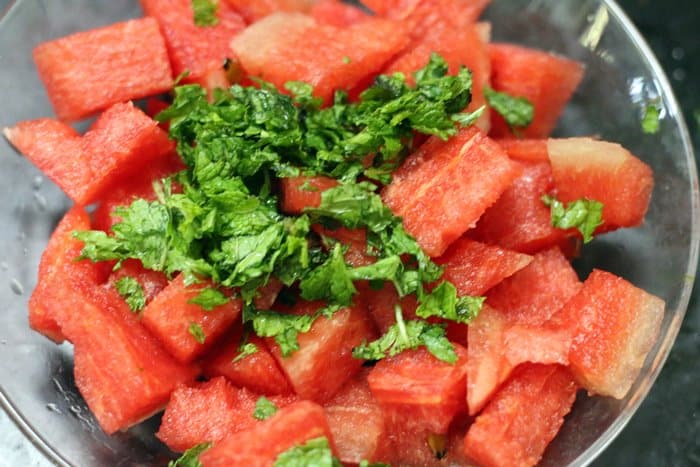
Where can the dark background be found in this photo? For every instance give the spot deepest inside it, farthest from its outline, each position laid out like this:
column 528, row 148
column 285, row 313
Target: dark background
column 666, row 429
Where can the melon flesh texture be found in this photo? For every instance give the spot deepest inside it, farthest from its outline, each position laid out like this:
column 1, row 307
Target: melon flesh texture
column 324, row 360
column 525, row 150
column 209, row 412
column 120, row 143
column 519, row 220
column 380, row 304
column 475, row 267
column 354, row 239
column 260, row 445
column 615, row 325
column 546, row 80
column 57, row 267
column 292, row 47
column 254, row 10
column 421, row 15
column 170, row 315
column 199, row 50
column 93, row 70
column 445, row 186
column 356, row 421
column 116, row 358
column 152, row 282
column 518, row 424
column 337, row 13
column 298, row 193
column 258, row 372
column 605, row 172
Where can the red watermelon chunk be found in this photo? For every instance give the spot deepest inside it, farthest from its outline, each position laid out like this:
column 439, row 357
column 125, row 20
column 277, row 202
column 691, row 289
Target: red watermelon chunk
column 521, row 420
column 419, row 392
column 260, row 445
column 92, row 70
column 267, row 294
column 615, row 325
column 116, row 358
column 152, row 282
column 546, row 80
column 336, row 13
column 354, row 239
column 170, row 318
column 254, row 10
column 421, row 15
column 475, row 267
column 120, row 143
column 258, row 372
column 519, row 220
column 292, row 47
column 443, row 188
column 302, row 192
column 356, row 422
column 57, row 267
column 526, row 150
column 324, row 360
column 380, row 304
column 605, row 172
column 532, row 295
column 199, row 50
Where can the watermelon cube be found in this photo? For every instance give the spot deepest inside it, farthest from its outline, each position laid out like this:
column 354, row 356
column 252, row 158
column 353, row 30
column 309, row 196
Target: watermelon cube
column 58, row 267
column 120, row 143
column 298, row 193
column 336, row 13
column 171, row 318
column 260, row 445
column 258, row 372
column 445, row 186
column 605, row 172
column 475, row 267
column 519, row 220
column 521, row 420
column 356, row 421
column 615, row 325
column 199, row 50
column 380, row 304
column 354, row 239
column 254, row 10
column 152, row 282
column 292, row 47
column 267, row 294
column 546, row 80
column 324, row 360
column 93, row 70
column 421, row 15
column 526, row 150
column 116, row 358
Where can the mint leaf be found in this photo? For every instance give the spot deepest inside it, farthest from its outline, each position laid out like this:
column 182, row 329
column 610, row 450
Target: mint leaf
column 283, row 327
column 264, row 408
column 314, row 453
column 330, row 282
column 209, row 299
column 518, row 112
column 204, row 12
column 443, row 303
column 197, row 332
column 651, row 119
column 190, row 458
column 585, row 215
column 131, row 291
column 245, row 350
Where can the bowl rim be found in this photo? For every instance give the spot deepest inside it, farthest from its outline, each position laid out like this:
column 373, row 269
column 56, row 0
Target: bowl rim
column 673, row 110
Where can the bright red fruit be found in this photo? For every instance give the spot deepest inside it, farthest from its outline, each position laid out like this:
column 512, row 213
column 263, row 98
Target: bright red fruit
column 92, row 70
column 152, row 282
column 337, row 13
column 526, row 150
column 302, row 192
column 254, row 10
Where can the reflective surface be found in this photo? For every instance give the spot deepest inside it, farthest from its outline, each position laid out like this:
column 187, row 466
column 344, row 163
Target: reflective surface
column 36, row 376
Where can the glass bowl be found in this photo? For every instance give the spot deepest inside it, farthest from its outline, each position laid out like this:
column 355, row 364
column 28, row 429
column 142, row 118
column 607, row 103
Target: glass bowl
column 36, row 382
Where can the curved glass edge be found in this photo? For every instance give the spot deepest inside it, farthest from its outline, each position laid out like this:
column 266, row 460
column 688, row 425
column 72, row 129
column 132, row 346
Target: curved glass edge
column 671, row 103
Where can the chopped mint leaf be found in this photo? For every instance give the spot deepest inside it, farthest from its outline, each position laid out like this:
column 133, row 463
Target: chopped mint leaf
column 314, row 453
column 346, row 60
column 331, row 281
column 209, row 298
column 650, row 119
column 190, row 458
column 518, row 112
column 443, row 303
column 283, row 327
column 585, row 215
column 204, row 12
column 407, row 335
column 131, row 291
column 197, row 332
column 264, row 408
column 245, row 350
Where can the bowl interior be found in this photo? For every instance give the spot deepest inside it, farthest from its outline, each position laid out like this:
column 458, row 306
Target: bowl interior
column 36, row 383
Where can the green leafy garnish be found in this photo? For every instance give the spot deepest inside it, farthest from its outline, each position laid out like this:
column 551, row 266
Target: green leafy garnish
column 518, row 112
column 650, row 119
column 585, row 215
column 204, row 12
column 444, row 303
column 209, row 299
column 407, row 335
column 197, row 332
column 131, row 291
column 282, row 326
column 190, row 458
column 264, row 408
column 245, row 350
column 314, row 453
